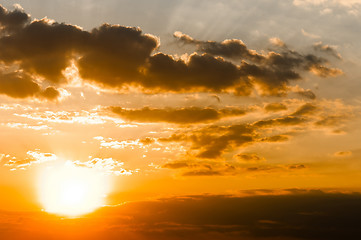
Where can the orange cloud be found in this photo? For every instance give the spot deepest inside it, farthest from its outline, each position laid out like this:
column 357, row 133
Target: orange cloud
column 177, row 115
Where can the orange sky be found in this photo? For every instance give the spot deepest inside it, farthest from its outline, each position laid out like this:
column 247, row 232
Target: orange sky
column 207, row 99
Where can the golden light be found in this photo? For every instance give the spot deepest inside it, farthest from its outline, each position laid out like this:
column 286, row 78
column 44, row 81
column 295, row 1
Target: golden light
column 70, row 190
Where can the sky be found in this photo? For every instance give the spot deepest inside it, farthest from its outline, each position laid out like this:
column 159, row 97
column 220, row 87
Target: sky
column 180, row 119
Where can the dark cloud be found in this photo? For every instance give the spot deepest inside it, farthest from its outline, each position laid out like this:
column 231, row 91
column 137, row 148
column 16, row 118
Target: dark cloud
column 12, row 20
column 118, row 57
column 18, row 85
column 176, row 115
column 50, row 93
column 231, row 48
column 295, row 214
column 115, row 55
column 42, row 48
column 303, row 215
column 272, row 71
column 199, row 73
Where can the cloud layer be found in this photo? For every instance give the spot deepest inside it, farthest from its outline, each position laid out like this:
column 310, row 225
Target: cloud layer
column 294, row 214
column 37, row 52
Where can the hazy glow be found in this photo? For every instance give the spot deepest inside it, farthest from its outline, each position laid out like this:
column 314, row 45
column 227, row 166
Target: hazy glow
column 70, row 190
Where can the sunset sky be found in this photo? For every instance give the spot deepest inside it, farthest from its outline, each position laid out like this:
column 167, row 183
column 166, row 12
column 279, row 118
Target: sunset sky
column 180, row 119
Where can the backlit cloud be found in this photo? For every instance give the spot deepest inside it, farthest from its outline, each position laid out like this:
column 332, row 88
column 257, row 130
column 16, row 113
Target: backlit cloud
column 120, row 58
column 34, row 158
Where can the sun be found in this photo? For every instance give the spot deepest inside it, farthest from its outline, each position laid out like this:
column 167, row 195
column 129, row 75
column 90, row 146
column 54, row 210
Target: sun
column 70, row 190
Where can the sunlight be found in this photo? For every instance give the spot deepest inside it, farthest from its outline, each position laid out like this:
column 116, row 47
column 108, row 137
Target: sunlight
column 70, row 190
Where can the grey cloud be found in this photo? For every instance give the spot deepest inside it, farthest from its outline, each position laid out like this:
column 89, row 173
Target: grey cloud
column 231, row 48
column 42, row 48
column 12, row 20
column 115, row 54
column 200, row 73
column 272, row 71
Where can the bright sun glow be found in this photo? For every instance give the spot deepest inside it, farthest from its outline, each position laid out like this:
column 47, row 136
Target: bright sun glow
column 71, row 191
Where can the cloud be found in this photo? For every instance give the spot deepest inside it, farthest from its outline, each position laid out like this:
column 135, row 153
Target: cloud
column 306, row 93
column 202, row 173
column 231, row 48
column 276, row 138
column 105, row 165
column 176, row 165
column 176, row 115
column 343, row 154
column 305, row 214
column 222, row 139
column 331, row 120
column 211, row 142
column 85, row 117
column 42, row 47
column 273, row 71
column 283, row 121
column 334, row 3
column 18, row 85
column 325, row 72
column 246, row 164
column 35, row 157
column 275, row 107
column 120, row 58
column 199, row 73
column 277, row 42
column 27, row 126
column 306, row 109
column 319, row 46
column 310, row 35
column 110, row 55
column 115, row 55
column 249, row 157
column 11, row 21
